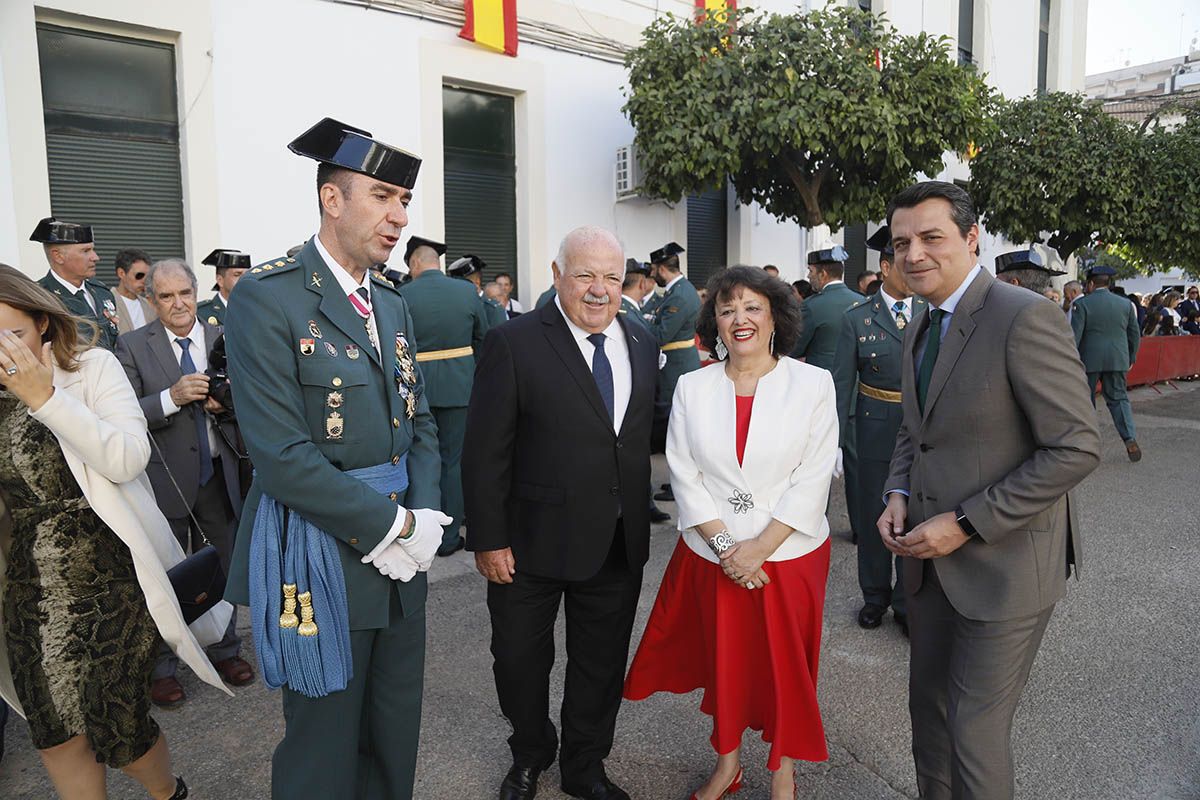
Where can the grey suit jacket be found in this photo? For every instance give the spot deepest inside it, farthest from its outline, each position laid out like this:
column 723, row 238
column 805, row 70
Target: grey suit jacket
column 149, row 360
column 124, row 321
column 1008, row 431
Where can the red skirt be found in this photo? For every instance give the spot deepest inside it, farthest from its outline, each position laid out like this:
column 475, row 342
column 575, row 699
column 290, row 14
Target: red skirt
column 754, row 652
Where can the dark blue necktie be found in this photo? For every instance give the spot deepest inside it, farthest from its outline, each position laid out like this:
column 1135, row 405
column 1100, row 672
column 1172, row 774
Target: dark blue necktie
column 602, row 372
column 187, row 366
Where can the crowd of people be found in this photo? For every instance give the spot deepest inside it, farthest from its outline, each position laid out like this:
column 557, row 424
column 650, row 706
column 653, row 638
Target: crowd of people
column 378, row 416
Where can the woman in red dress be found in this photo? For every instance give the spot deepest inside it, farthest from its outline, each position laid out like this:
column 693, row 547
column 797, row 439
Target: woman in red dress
column 751, row 448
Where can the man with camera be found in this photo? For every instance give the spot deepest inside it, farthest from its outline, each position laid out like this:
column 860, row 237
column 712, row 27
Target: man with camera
column 194, row 459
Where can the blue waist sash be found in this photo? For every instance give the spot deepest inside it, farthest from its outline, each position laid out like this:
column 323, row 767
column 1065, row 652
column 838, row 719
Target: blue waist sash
column 310, row 651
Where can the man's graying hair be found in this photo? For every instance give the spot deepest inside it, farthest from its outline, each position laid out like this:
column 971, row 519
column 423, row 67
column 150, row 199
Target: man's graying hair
column 1035, row 280
column 584, row 236
column 168, row 265
column 962, row 207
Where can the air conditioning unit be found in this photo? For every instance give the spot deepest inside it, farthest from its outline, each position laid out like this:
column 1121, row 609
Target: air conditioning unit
column 628, row 173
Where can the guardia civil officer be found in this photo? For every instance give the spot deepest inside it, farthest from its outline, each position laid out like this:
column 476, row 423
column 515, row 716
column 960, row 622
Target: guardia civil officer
column 449, row 323
column 866, row 375
column 673, row 324
column 1026, row 268
column 822, row 313
column 71, row 251
column 337, row 422
column 470, row 269
column 1108, row 337
column 230, row 266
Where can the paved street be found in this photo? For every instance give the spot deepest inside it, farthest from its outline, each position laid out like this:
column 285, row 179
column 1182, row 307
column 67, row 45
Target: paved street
column 1110, row 712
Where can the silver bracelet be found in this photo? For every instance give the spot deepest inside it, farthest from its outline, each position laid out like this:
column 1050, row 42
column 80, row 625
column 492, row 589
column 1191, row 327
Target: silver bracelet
column 720, row 542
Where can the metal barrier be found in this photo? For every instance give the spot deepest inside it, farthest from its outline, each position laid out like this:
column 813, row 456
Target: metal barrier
column 1164, row 358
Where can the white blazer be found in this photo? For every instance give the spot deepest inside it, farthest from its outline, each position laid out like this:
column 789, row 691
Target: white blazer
column 790, row 453
column 96, row 418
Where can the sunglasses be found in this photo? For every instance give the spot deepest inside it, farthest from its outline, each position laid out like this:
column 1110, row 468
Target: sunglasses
column 137, row 276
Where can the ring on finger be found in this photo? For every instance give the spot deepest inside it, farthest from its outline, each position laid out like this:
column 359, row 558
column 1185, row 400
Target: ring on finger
column 749, row 584
column 11, row 371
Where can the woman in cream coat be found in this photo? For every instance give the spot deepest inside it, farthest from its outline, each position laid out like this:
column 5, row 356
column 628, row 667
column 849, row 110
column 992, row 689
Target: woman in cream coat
column 751, row 447
column 83, row 555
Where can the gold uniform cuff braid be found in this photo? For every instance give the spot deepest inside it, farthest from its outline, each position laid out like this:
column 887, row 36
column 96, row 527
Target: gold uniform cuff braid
column 720, row 542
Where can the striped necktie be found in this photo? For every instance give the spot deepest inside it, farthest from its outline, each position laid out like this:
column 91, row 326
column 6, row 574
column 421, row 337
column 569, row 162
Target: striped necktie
column 360, row 298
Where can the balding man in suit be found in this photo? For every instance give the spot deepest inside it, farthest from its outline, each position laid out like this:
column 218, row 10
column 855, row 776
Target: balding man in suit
column 998, row 427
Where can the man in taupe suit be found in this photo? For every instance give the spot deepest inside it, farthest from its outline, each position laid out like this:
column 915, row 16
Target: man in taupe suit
column 998, row 427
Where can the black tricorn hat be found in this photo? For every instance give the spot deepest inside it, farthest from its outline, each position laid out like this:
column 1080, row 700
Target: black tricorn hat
column 830, row 255
column 1023, row 259
column 227, row 259
column 666, row 251
column 635, row 266
column 881, row 240
column 419, row 241
column 53, row 231
column 466, row 266
column 341, row 145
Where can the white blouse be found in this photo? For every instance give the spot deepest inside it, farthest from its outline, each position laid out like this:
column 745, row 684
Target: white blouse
column 791, row 449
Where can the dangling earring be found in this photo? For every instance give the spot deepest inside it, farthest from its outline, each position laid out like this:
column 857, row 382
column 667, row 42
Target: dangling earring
column 721, row 349
column 771, row 343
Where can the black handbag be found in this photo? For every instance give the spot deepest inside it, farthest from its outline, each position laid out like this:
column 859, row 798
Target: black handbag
column 199, row 583
column 198, row 580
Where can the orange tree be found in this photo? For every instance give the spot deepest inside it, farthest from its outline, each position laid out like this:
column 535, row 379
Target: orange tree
column 819, row 117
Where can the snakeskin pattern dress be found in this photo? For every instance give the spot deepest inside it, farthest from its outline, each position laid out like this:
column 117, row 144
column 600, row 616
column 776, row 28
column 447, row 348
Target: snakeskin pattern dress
column 80, row 638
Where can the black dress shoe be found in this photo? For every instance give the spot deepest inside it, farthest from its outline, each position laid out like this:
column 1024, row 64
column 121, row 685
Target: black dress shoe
column 658, row 515
column 452, row 548
column 1133, row 451
column 600, row 789
column 871, row 616
column 666, row 495
column 520, row 783
column 902, row 621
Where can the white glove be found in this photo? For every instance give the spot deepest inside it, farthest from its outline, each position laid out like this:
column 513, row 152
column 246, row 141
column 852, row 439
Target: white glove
column 837, row 465
column 394, row 562
column 426, row 537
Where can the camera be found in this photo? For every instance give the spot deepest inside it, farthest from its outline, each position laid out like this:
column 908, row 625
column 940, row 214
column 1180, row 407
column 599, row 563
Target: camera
column 218, row 376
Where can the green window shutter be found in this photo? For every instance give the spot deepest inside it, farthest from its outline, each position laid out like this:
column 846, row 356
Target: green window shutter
column 480, row 179
column 707, row 237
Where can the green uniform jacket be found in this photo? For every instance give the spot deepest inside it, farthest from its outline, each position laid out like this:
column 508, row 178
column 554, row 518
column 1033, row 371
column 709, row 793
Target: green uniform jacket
column 290, row 338
column 212, row 311
column 633, row 312
column 868, row 351
column 1106, row 331
column 494, row 313
column 822, row 320
column 652, row 303
column 105, row 315
column 675, row 321
column 546, row 297
column 447, row 315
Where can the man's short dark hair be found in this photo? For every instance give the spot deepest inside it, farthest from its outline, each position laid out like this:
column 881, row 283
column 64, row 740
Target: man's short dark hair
column 834, row 269
column 500, row 275
column 631, row 279
column 1035, row 280
column 962, row 207
column 874, row 286
column 1100, row 280
column 804, row 288
column 126, row 258
column 338, row 176
column 770, row 267
column 785, row 309
column 670, row 262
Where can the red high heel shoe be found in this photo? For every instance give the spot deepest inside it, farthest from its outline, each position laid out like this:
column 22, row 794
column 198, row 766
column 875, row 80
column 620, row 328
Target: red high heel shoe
column 734, row 787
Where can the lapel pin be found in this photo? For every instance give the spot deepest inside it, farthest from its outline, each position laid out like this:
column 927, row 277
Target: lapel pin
column 352, row 351
column 307, row 346
column 314, row 330
column 331, row 350
column 316, row 280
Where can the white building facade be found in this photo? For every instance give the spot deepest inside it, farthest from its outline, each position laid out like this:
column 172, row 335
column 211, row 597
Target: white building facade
column 165, row 124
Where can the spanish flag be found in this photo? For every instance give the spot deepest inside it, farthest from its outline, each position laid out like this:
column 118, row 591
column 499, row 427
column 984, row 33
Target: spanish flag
column 714, row 7
column 491, row 23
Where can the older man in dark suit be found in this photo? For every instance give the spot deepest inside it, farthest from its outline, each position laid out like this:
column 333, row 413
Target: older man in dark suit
column 193, row 465
column 998, row 427
column 556, row 466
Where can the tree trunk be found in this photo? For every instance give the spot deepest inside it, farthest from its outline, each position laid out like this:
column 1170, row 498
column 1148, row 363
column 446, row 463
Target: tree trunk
column 810, row 190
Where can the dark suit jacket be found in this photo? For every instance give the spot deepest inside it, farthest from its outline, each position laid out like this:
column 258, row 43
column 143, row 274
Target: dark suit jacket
column 149, row 360
column 543, row 471
column 1008, row 430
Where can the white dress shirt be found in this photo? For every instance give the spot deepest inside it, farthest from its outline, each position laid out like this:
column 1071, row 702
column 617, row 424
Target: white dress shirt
column 891, row 306
column 137, row 313
column 199, row 352
column 350, row 286
column 91, row 301
column 617, row 350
